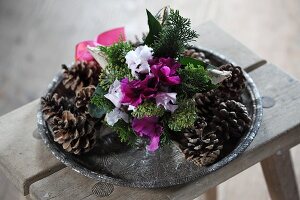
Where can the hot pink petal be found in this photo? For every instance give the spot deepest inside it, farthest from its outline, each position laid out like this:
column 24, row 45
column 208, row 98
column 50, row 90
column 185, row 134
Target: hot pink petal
column 111, row 36
column 81, row 52
column 148, row 127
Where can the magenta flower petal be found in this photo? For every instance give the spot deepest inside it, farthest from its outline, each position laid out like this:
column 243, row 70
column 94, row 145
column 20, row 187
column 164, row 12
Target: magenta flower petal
column 165, row 70
column 81, row 51
column 148, row 127
column 136, row 90
column 112, row 36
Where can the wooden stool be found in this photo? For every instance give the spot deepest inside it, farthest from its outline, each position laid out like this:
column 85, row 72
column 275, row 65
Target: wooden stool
column 30, row 166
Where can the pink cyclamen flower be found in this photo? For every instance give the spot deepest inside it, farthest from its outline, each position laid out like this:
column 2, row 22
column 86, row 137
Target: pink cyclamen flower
column 148, row 127
column 165, row 69
column 114, row 93
column 133, row 92
column 167, row 100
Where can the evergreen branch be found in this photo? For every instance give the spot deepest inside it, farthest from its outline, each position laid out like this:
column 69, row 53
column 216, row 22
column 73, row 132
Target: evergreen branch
column 116, row 53
column 125, row 132
column 194, row 79
column 175, row 36
column 148, row 109
column 184, row 117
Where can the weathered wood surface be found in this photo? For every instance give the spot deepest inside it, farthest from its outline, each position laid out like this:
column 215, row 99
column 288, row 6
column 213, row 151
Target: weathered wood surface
column 23, row 158
column 276, row 133
column 216, row 40
column 24, row 150
column 280, row 177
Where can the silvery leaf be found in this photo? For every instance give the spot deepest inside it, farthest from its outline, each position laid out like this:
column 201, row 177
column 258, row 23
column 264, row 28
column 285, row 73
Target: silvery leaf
column 218, row 76
column 99, row 56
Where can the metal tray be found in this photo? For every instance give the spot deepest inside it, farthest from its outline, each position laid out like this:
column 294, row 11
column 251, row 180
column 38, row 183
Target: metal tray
column 113, row 162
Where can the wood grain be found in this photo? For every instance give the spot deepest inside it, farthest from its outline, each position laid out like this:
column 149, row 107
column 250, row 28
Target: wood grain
column 275, row 134
column 280, row 176
column 23, row 158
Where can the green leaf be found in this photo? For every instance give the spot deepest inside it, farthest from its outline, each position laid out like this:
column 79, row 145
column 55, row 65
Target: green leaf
column 99, row 105
column 154, row 29
column 95, row 111
column 188, row 60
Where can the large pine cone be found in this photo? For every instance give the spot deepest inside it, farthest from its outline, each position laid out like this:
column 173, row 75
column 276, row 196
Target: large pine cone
column 83, row 97
column 75, row 133
column 193, row 53
column 201, row 145
column 53, row 104
column 80, row 74
column 230, row 119
column 232, row 87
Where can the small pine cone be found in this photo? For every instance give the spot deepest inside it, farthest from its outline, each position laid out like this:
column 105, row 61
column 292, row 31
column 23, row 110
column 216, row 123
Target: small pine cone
column 75, row 133
column 206, row 102
column 193, row 53
column 232, row 87
column 81, row 74
column 52, row 104
column 200, row 145
column 83, row 97
column 230, row 119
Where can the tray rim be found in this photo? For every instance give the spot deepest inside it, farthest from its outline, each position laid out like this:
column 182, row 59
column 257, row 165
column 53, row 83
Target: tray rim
column 239, row 149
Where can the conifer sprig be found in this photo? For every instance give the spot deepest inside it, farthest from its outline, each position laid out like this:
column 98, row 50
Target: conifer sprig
column 174, row 36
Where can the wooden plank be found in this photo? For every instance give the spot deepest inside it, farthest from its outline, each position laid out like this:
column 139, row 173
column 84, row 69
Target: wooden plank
column 216, row 40
column 275, row 133
column 23, row 158
column 280, row 176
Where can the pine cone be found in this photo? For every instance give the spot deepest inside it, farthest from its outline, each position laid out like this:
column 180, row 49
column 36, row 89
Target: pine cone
column 193, row 53
column 200, row 145
column 75, row 133
column 83, row 97
column 53, row 104
column 232, row 87
column 81, row 74
column 230, row 119
column 206, row 102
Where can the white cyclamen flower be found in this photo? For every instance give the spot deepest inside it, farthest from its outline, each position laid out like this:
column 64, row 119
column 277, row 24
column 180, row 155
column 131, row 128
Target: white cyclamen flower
column 114, row 93
column 116, row 114
column 165, row 99
column 137, row 60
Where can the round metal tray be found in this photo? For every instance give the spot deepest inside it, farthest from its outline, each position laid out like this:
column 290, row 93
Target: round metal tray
column 113, row 162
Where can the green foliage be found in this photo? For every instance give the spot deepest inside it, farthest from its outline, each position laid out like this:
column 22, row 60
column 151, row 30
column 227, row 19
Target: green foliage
column 116, row 53
column 174, row 36
column 148, row 109
column 188, row 60
column 184, row 117
column 154, row 29
column 99, row 105
column 125, row 132
column 165, row 138
column 194, row 79
column 116, row 68
column 112, row 73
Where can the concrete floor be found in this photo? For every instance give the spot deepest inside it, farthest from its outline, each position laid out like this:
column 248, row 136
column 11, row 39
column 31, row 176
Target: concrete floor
column 37, row 36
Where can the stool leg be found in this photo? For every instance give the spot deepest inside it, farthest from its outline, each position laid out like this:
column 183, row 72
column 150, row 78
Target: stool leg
column 280, row 177
column 211, row 194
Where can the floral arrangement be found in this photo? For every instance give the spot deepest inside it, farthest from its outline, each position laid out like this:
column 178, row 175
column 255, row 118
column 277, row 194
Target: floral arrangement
column 157, row 90
column 148, row 90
